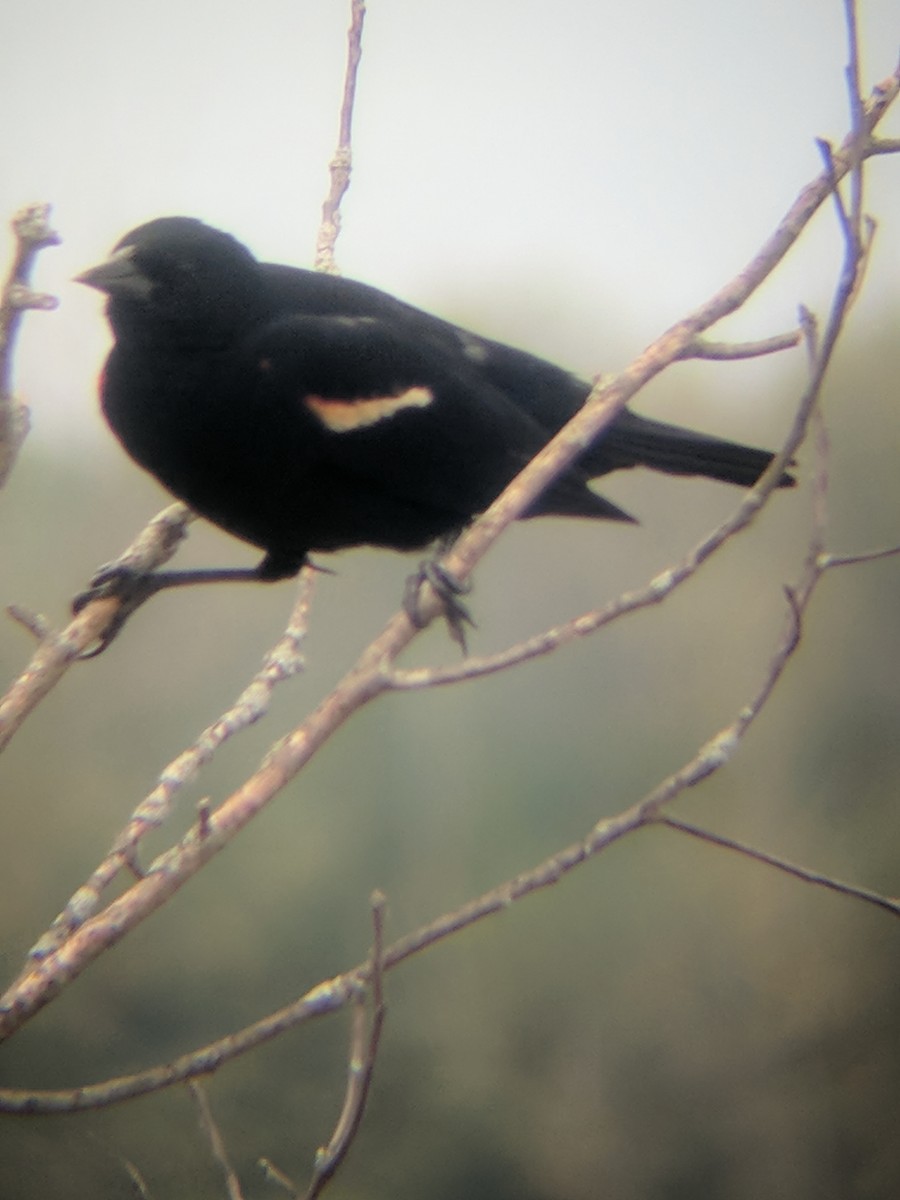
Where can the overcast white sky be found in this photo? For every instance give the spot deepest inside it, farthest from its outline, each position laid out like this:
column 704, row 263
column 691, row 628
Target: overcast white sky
column 571, row 176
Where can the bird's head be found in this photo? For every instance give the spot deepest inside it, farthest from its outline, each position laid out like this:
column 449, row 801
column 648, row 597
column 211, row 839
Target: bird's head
column 176, row 279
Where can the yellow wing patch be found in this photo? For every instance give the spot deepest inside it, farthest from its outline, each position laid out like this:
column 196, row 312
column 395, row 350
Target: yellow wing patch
column 343, row 416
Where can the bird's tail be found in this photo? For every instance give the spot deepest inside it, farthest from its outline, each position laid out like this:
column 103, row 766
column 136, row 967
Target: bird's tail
column 638, row 441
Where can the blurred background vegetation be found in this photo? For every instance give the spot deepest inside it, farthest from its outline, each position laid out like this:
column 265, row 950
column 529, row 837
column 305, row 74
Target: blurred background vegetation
column 670, row 1021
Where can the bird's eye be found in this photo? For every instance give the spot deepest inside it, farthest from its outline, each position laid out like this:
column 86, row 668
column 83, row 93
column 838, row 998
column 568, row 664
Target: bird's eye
column 172, row 273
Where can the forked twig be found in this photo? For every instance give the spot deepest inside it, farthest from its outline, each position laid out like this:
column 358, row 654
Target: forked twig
column 364, row 1042
column 282, row 662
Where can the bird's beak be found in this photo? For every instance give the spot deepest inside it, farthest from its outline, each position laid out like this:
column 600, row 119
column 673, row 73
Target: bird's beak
column 118, row 276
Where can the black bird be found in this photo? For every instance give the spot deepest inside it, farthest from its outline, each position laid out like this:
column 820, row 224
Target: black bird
column 305, row 412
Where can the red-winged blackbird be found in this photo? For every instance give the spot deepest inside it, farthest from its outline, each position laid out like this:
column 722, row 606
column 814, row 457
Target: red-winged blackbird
column 306, row 412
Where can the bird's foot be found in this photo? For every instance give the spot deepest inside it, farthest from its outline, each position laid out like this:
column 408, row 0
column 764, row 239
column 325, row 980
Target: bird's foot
column 129, row 585
column 449, row 589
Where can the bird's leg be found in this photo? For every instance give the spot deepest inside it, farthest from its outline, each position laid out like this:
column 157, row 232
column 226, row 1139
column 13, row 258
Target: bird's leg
column 133, row 587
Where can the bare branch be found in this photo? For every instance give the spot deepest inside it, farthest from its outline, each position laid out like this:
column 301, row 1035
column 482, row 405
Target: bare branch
column 826, row 152
column 727, row 351
column 33, row 233
column 152, row 547
column 341, row 164
column 864, row 556
column 216, row 1141
column 327, row 997
column 138, row 1183
column 272, row 1174
column 857, row 119
column 771, row 860
column 282, row 662
column 36, row 623
column 884, row 146
column 363, row 1050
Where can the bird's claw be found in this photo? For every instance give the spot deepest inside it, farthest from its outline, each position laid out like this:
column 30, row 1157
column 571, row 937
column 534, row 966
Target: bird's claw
column 449, row 589
column 112, row 579
column 129, row 585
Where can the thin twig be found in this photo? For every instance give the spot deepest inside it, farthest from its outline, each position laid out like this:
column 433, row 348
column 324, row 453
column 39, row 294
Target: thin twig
column 272, row 1174
column 827, row 153
column 320, row 1000
column 884, row 146
column 31, row 227
column 138, row 1183
column 36, row 623
column 341, row 164
column 728, row 351
column 364, row 1044
column 782, row 864
column 857, row 119
column 215, row 1139
column 863, row 556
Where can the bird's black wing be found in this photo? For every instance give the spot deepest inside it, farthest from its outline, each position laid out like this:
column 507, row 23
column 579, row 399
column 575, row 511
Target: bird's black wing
column 395, row 442
column 549, row 395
